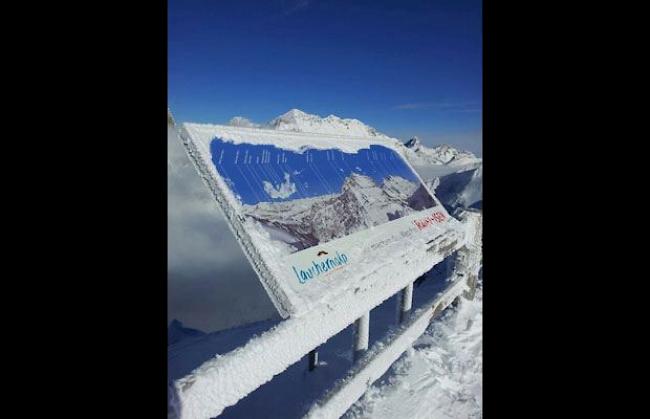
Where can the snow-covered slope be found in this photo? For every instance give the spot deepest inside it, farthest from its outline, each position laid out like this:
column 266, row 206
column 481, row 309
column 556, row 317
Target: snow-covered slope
column 462, row 189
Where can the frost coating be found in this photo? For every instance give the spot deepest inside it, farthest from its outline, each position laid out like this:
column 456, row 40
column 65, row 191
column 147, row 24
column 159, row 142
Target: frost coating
column 387, row 351
column 360, row 206
column 224, row 380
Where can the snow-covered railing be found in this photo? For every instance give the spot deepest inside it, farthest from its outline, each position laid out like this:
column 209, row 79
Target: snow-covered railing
column 380, row 357
column 385, row 352
column 226, row 379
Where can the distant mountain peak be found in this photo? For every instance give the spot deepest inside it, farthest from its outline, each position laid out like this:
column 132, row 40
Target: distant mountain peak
column 298, row 121
column 359, row 179
column 358, row 186
column 295, row 113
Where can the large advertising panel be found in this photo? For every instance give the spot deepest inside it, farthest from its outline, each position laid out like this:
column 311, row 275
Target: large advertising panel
column 314, row 213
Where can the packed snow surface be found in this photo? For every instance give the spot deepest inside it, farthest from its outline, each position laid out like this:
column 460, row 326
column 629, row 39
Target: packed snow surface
column 440, row 377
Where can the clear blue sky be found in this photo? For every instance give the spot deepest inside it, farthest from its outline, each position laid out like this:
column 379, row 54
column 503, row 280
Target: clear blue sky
column 404, row 67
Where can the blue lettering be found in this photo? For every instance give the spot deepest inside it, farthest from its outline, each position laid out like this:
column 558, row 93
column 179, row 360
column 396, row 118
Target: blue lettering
column 320, row 267
column 297, row 276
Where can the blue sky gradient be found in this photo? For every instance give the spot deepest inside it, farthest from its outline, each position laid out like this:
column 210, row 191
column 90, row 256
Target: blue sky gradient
column 406, row 68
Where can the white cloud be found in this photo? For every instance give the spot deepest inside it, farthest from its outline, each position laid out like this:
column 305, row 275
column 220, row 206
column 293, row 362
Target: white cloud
column 283, row 190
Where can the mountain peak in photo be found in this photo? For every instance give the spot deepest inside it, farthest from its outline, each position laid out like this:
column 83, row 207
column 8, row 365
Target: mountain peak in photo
column 298, row 121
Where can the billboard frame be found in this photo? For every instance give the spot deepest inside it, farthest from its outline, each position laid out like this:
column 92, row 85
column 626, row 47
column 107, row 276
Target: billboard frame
column 283, row 301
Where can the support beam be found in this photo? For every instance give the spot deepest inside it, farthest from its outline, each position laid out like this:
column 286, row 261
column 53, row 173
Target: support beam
column 361, row 334
column 468, row 258
column 406, row 302
column 313, row 359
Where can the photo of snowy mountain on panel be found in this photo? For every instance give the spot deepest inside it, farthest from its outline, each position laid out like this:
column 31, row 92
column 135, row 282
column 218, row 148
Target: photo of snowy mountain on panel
column 309, row 197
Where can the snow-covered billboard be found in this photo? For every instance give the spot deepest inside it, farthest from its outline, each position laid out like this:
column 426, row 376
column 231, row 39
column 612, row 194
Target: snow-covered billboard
column 312, row 211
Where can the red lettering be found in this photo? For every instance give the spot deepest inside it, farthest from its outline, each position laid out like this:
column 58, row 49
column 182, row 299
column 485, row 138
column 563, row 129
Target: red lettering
column 436, row 217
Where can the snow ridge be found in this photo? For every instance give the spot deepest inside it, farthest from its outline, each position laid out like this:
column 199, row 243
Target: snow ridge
column 421, row 155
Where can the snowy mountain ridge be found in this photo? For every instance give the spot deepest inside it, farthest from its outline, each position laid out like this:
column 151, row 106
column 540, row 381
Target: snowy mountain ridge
column 306, row 222
column 296, row 120
column 444, row 154
column 299, row 121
